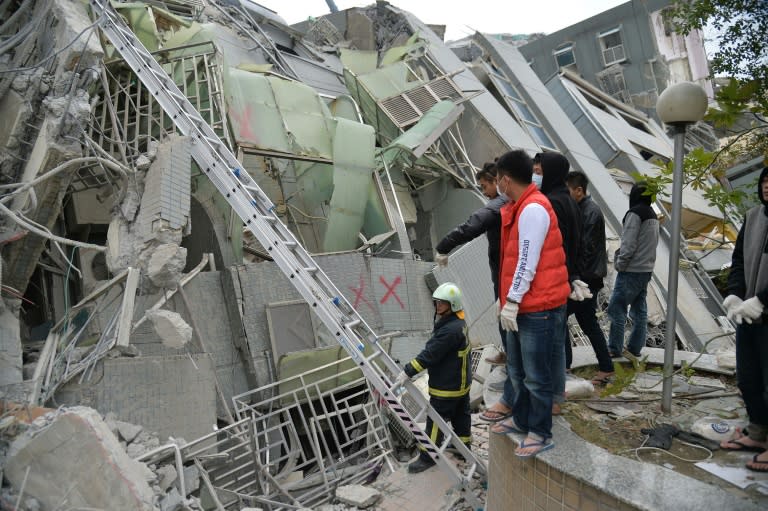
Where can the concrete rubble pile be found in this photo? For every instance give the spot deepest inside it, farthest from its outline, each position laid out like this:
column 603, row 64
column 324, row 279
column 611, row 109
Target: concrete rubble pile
column 130, row 288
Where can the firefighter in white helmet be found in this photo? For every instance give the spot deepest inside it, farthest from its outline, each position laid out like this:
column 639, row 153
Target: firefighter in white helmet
column 447, row 361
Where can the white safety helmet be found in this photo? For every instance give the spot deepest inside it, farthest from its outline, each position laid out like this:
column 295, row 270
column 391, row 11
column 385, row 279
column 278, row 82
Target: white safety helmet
column 449, row 292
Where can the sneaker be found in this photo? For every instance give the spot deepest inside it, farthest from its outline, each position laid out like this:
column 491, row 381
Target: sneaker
column 420, row 465
column 500, row 359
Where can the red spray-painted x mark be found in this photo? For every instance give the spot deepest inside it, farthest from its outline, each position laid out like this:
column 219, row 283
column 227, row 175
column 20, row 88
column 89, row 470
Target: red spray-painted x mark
column 243, row 120
column 359, row 297
column 391, row 291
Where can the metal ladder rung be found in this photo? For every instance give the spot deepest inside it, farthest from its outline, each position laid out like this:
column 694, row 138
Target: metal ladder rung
column 352, row 324
column 448, row 437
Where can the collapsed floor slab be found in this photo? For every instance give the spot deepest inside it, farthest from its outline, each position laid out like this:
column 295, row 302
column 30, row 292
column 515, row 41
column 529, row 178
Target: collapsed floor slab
column 72, row 460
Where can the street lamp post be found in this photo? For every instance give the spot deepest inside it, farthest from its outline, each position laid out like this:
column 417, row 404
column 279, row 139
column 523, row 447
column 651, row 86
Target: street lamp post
column 678, row 106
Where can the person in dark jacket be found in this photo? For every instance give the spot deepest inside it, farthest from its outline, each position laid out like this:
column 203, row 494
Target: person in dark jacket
column 746, row 306
column 553, row 167
column 486, row 220
column 593, row 260
column 446, row 359
column 634, row 262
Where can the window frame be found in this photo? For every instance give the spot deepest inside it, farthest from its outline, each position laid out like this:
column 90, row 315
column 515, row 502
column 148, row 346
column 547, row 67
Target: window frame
column 604, row 48
column 561, row 50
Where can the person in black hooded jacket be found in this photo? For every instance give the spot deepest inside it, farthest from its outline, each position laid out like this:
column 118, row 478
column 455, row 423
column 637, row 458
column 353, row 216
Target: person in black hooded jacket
column 554, row 170
column 746, row 306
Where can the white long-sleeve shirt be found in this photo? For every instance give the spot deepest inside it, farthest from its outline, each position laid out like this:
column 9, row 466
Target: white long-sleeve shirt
column 532, row 228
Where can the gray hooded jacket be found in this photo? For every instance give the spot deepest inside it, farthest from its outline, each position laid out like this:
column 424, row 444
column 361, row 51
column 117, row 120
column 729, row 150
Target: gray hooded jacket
column 640, row 235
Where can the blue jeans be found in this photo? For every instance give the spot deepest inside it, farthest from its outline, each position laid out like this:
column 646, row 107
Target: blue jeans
column 752, row 375
column 559, row 363
column 530, row 360
column 630, row 290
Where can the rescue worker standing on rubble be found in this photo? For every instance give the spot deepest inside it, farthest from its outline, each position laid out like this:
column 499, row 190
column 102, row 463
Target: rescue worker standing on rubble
column 533, row 281
column 550, row 172
column 446, row 359
column 746, row 306
column 486, row 220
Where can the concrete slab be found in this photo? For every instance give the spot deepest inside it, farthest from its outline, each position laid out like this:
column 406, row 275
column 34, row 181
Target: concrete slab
column 72, row 460
column 402, row 491
column 173, row 395
column 584, row 356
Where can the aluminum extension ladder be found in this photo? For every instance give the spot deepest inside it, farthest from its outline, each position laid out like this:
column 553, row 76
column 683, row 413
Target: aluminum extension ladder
column 257, row 212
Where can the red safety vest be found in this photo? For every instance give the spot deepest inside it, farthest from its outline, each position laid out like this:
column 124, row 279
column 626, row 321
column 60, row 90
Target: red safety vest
column 550, row 287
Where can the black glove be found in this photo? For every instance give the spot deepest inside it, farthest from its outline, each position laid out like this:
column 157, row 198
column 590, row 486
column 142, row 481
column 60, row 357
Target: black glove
column 660, row 436
column 693, row 438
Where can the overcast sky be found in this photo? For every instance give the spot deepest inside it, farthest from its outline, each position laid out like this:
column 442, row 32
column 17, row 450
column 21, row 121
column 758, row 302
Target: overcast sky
column 465, row 17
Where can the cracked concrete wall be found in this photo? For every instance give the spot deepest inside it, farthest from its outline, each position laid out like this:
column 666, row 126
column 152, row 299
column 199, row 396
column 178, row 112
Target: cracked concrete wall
column 147, row 230
column 390, row 294
column 173, row 395
column 212, row 307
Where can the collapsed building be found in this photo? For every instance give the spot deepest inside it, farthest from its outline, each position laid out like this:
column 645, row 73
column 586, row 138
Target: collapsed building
column 132, row 286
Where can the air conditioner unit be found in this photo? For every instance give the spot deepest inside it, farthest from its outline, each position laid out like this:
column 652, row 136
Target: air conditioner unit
column 613, row 55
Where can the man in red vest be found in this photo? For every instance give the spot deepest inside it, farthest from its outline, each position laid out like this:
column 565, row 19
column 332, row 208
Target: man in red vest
column 534, row 289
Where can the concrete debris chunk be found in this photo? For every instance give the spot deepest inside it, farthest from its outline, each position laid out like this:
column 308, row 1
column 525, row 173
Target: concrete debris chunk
column 167, row 475
column 166, row 264
column 128, row 431
column 170, row 327
column 357, row 495
column 191, row 479
column 63, row 454
column 173, row 501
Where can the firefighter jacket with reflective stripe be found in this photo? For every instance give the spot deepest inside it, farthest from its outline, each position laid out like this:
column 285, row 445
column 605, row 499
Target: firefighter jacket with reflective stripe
column 446, row 359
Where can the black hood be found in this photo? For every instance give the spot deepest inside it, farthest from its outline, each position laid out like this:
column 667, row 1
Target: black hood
column 637, row 196
column 555, row 167
column 759, row 190
column 640, row 203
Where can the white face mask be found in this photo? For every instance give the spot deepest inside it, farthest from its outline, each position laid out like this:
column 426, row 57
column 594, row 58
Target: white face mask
column 537, row 180
column 501, row 194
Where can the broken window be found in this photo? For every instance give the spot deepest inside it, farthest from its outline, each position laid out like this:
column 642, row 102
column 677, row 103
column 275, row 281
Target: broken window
column 135, row 116
column 612, row 46
column 612, row 83
column 517, row 106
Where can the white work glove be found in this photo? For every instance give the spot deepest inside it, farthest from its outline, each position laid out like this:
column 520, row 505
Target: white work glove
column 508, row 317
column 750, row 310
column 441, row 260
column 731, row 304
column 401, row 379
column 579, row 291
